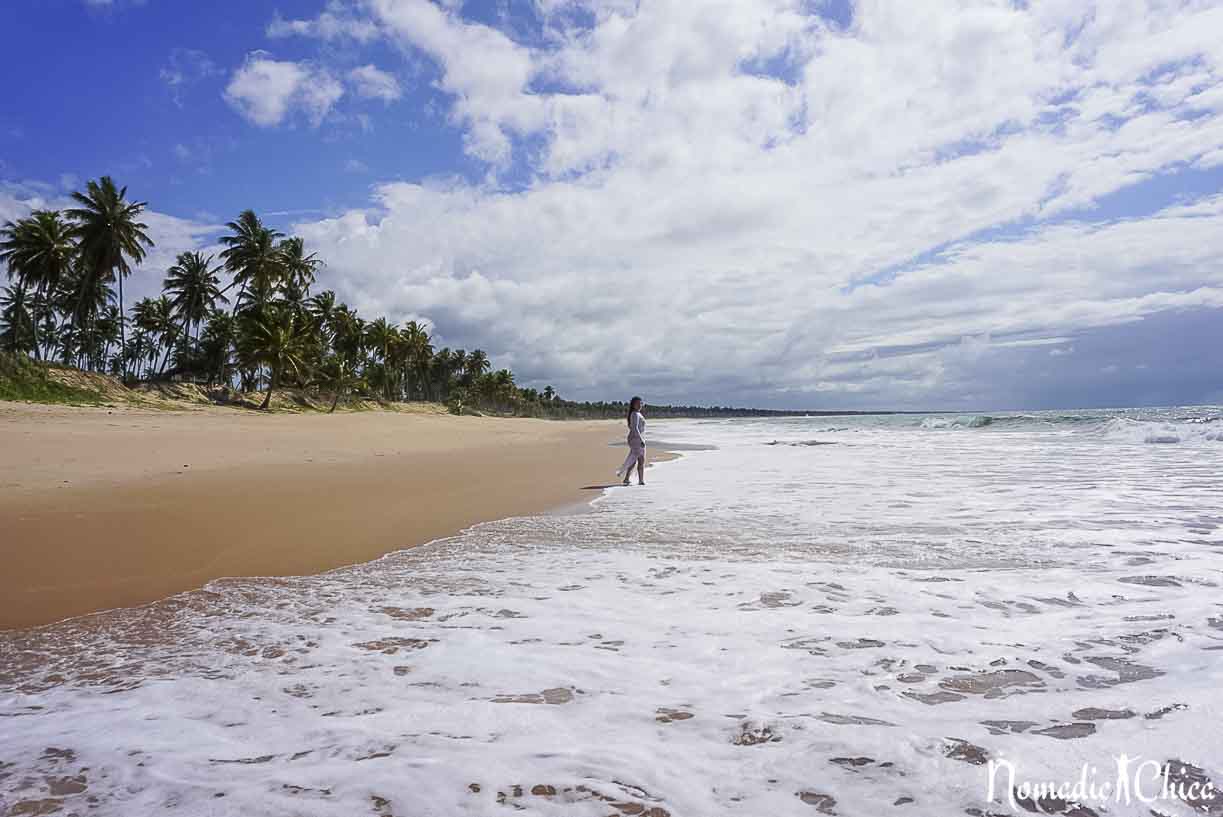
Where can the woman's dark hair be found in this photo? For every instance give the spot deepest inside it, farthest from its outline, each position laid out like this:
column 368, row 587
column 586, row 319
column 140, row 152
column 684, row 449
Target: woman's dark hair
column 629, row 419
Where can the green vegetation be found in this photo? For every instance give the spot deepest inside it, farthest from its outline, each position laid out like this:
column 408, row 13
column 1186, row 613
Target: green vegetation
column 23, row 379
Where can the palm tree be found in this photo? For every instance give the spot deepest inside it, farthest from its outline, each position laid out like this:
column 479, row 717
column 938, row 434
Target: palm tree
column 299, row 269
column 148, row 322
column 67, row 345
column 164, row 327
column 84, row 297
column 39, row 252
column 440, row 368
column 549, row 393
column 458, row 366
column 195, row 287
column 503, row 388
column 485, row 387
column 46, row 309
column 252, row 257
column 348, row 334
column 383, row 337
column 109, row 237
column 417, row 352
column 276, row 341
column 17, row 332
column 139, row 350
column 398, row 368
column 106, row 332
column 322, row 308
column 477, row 365
column 337, row 376
column 218, row 339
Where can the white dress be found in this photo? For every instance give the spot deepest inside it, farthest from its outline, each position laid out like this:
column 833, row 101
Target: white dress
column 636, row 443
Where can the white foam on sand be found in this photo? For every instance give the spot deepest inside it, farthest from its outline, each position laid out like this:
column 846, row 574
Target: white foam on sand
column 764, row 630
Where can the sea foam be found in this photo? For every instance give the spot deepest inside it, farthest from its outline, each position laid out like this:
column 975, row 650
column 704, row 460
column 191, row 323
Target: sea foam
column 855, row 629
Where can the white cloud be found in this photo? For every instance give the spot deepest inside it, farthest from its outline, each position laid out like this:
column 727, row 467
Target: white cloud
column 266, row 91
column 485, row 71
column 603, row 303
column 371, row 82
column 185, row 67
column 737, row 198
column 338, row 21
column 750, row 201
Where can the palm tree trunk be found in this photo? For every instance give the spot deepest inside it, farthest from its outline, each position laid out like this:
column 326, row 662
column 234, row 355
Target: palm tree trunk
column 165, row 359
column 122, row 332
column 335, row 401
column 76, row 316
column 237, row 300
column 34, row 319
column 267, row 398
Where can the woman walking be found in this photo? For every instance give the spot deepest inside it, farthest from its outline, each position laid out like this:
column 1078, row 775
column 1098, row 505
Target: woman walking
column 636, row 443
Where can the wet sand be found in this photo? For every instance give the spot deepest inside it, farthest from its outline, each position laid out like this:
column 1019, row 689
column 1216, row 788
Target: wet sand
column 103, row 508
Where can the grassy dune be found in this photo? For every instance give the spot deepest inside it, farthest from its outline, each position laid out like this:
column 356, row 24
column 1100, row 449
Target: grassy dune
column 26, row 380
column 30, row 381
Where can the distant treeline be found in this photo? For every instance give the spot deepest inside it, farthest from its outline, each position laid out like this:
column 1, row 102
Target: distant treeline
column 570, row 409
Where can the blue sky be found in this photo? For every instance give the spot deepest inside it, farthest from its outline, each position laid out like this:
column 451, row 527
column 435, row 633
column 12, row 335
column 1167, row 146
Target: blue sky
column 99, row 101
column 804, row 203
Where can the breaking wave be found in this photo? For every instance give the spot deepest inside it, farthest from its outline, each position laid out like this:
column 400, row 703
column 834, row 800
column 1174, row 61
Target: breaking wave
column 1159, row 433
column 959, row 421
column 1143, row 426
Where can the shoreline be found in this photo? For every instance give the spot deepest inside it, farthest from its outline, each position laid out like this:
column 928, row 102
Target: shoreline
column 108, row 508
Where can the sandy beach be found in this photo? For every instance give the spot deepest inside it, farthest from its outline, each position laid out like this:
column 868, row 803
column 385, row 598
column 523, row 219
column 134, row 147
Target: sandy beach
column 108, row 507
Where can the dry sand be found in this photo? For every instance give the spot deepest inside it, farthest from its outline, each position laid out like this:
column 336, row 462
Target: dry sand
column 111, row 507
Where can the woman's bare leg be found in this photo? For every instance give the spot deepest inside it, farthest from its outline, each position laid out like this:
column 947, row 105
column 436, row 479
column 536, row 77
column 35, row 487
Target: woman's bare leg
column 641, row 469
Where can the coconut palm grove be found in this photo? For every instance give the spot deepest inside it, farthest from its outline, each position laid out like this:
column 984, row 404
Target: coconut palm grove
column 242, row 320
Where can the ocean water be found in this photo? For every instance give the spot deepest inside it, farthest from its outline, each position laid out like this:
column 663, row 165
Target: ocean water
column 855, row 616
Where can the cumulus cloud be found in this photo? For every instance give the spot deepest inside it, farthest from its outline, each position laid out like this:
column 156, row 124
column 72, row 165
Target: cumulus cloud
column 337, row 22
column 485, row 72
column 371, row 82
column 764, row 204
column 267, row 91
column 760, row 205
column 596, row 307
